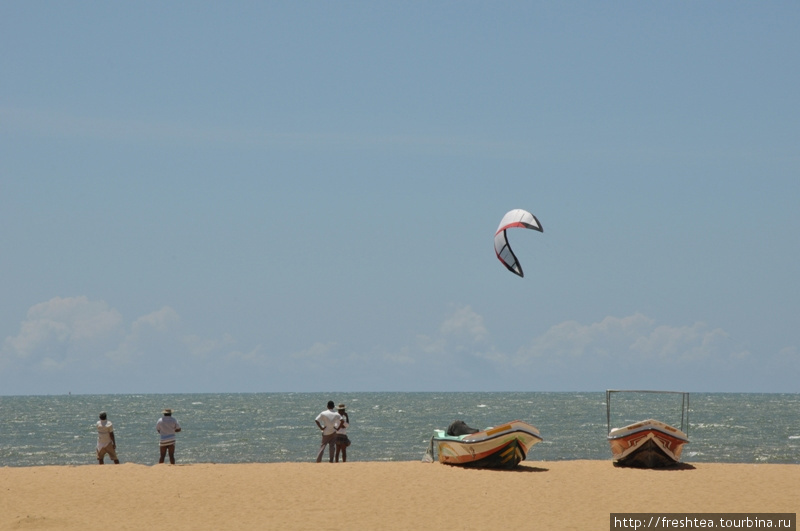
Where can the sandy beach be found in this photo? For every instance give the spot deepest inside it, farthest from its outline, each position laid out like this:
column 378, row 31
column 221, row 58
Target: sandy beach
column 378, row 496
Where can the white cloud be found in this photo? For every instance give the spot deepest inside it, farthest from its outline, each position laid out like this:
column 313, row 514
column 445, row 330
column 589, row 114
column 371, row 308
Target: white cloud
column 635, row 338
column 63, row 330
column 204, row 348
column 78, row 332
column 460, row 332
column 630, row 350
column 401, row 357
column 159, row 321
column 318, row 352
column 75, row 338
column 464, row 325
column 150, row 334
column 254, row 356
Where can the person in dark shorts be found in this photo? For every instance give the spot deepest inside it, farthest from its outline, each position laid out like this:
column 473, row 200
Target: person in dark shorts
column 342, row 441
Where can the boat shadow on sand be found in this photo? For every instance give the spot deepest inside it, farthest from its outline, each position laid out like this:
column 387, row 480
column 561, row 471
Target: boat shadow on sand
column 523, row 469
column 519, row 469
column 672, row 468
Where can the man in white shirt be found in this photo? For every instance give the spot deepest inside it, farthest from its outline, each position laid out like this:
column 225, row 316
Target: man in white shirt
column 167, row 427
column 328, row 421
column 106, row 442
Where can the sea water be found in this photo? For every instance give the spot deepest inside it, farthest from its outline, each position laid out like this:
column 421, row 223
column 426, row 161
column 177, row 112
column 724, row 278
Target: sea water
column 279, row 427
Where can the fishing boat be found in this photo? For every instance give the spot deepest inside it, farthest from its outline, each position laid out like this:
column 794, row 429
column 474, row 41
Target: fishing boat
column 648, row 443
column 503, row 446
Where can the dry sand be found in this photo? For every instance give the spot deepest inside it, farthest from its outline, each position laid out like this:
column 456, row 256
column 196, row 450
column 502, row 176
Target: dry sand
column 407, row 496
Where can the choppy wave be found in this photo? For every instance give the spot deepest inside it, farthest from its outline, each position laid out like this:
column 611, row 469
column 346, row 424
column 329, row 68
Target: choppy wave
column 240, row 428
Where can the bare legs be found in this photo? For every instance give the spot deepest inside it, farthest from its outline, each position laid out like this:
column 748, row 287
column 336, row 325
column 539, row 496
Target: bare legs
column 164, row 450
column 343, row 449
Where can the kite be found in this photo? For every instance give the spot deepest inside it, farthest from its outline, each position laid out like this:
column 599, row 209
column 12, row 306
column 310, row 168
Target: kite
column 513, row 218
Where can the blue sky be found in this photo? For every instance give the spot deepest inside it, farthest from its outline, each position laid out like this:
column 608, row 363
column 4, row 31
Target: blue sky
column 302, row 196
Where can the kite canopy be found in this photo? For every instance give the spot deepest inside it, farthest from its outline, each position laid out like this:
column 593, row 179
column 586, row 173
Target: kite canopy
column 513, row 218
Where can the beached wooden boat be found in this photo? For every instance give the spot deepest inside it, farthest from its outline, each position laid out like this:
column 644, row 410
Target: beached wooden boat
column 503, row 446
column 648, row 443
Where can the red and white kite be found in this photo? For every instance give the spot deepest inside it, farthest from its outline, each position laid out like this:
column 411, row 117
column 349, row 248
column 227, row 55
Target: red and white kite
column 514, row 218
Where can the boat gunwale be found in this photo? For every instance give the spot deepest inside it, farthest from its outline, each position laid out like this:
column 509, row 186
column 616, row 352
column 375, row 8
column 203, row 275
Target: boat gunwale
column 512, row 430
column 644, row 426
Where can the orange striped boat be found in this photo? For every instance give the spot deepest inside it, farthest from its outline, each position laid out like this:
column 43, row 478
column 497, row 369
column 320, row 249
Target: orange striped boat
column 648, row 443
column 504, row 446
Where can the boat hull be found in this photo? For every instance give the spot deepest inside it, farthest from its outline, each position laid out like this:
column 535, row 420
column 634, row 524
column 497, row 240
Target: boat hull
column 502, row 447
column 647, row 444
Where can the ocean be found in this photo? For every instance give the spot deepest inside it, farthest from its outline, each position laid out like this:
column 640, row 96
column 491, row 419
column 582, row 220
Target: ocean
column 279, row 427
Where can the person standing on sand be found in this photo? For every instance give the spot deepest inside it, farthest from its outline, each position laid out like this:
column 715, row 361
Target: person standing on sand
column 106, row 442
column 342, row 441
column 328, row 421
column 167, row 427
